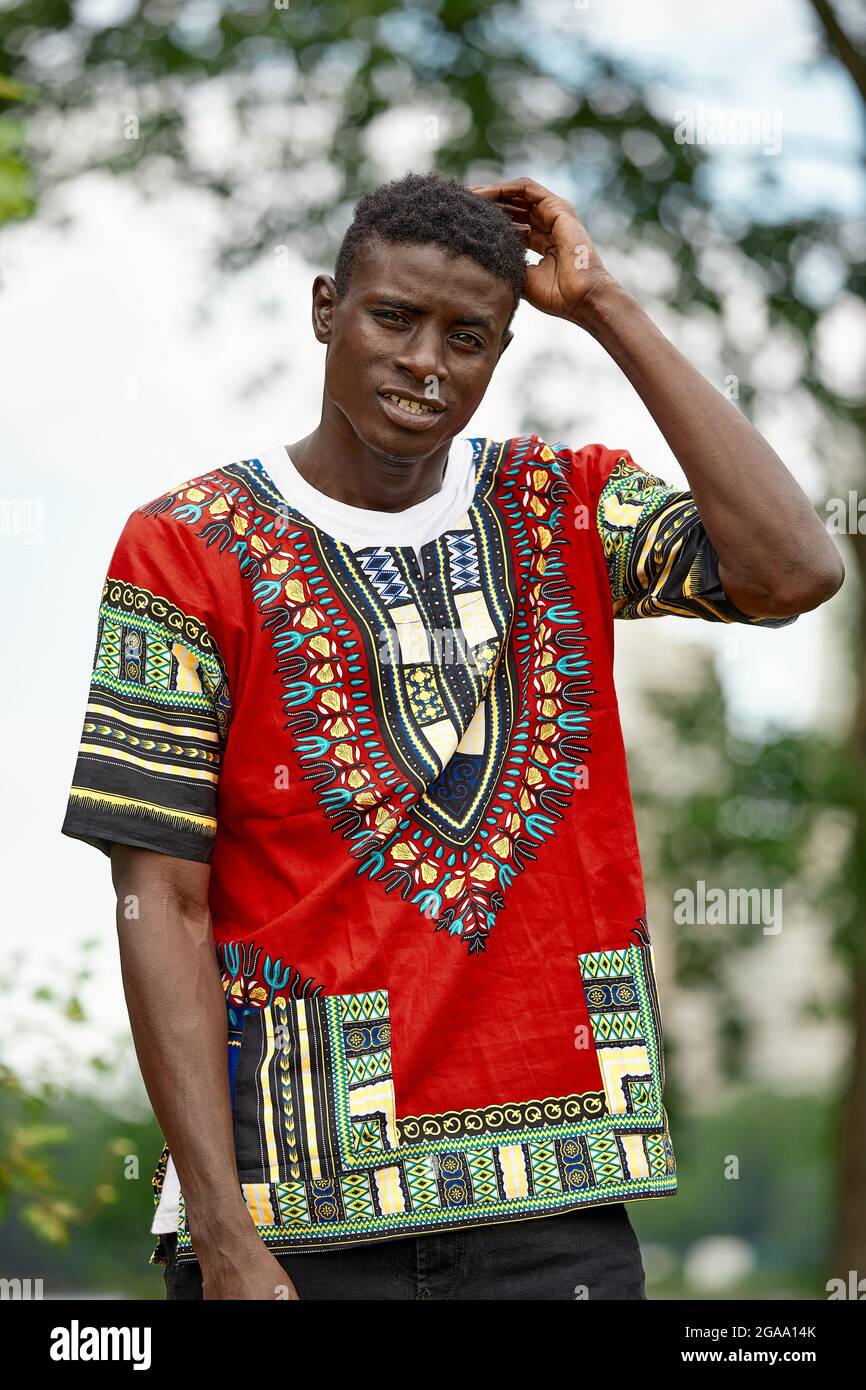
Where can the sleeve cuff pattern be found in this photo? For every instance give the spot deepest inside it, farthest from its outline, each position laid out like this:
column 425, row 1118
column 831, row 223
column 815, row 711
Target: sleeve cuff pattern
column 154, row 730
column 659, row 557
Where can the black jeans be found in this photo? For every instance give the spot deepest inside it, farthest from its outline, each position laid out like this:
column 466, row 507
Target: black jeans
column 584, row 1254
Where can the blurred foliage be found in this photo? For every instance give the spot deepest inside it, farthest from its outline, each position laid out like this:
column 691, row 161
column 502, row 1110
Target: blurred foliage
column 75, row 1189
column 772, row 811
column 282, row 112
column 783, row 1213
column 16, row 199
column 775, row 812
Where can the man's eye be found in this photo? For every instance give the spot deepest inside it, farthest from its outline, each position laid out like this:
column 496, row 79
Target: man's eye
column 469, row 338
column 387, row 314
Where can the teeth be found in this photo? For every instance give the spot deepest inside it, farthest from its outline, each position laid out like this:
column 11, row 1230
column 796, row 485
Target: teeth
column 413, row 406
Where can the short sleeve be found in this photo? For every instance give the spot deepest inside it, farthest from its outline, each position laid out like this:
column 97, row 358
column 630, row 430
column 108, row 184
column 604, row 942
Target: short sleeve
column 158, row 712
column 659, row 558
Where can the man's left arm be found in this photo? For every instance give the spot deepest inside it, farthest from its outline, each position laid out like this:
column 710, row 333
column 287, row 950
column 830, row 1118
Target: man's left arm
column 775, row 556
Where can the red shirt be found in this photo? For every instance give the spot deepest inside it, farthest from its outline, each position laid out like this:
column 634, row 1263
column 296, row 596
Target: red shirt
column 411, row 787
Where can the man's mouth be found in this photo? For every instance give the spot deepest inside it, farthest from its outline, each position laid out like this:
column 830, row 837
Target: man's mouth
column 414, row 407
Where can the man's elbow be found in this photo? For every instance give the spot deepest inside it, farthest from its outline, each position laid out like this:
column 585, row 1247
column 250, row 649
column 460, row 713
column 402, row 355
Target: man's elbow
column 795, row 589
column 818, row 584
column 156, row 879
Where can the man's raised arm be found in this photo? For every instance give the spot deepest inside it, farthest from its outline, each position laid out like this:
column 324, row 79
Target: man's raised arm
column 776, row 558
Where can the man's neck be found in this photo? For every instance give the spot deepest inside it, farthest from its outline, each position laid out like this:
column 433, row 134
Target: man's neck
column 334, row 461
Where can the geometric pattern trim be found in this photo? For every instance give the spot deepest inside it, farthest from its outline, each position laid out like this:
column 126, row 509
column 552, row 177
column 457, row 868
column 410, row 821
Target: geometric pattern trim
column 158, row 708
column 619, row 987
column 440, row 788
column 455, row 1190
column 659, row 557
column 324, row 1158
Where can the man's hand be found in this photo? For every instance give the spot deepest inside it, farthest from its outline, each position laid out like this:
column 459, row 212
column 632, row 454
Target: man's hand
column 571, row 271
column 246, row 1271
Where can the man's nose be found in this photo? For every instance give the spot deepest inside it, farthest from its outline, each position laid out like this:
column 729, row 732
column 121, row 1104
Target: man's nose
column 424, row 358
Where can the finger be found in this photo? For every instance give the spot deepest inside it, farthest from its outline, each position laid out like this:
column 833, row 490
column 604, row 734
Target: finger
column 519, row 220
column 531, row 225
column 539, row 217
column 523, row 188
column 540, row 242
column 538, row 224
column 535, row 241
column 522, row 216
column 499, row 192
column 519, row 216
column 533, row 229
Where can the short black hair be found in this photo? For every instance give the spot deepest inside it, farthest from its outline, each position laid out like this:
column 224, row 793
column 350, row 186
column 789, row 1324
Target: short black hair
column 436, row 208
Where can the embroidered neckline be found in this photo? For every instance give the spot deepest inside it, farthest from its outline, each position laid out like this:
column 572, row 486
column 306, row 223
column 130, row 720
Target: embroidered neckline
column 291, row 511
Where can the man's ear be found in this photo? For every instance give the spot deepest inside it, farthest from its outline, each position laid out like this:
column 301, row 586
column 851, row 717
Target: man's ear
column 325, row 300
column 506, row 339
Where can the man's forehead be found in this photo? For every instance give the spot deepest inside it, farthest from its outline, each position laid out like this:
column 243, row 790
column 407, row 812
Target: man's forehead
column 423, row 273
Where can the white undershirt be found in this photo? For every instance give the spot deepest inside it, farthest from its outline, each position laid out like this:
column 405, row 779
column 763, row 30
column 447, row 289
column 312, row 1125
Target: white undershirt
column 356, row 527
column 361, row 526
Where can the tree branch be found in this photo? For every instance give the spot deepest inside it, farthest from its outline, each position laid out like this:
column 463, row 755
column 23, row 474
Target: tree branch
column 842, row 44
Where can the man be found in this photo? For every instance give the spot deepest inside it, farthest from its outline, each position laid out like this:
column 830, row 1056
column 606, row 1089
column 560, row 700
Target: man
column 353, row 723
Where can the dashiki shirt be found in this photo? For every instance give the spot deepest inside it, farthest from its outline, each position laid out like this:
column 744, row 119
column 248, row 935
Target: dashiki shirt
column 408, row 777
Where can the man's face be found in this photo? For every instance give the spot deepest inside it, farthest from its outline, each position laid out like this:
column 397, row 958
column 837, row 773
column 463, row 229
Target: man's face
column 417, row 324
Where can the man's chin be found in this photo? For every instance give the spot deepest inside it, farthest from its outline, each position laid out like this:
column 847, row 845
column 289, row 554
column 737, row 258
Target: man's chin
column 401, row 448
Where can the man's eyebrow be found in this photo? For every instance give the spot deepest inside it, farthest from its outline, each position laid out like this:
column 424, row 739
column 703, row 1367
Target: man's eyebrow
column 477, row 321
column 474, row 320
